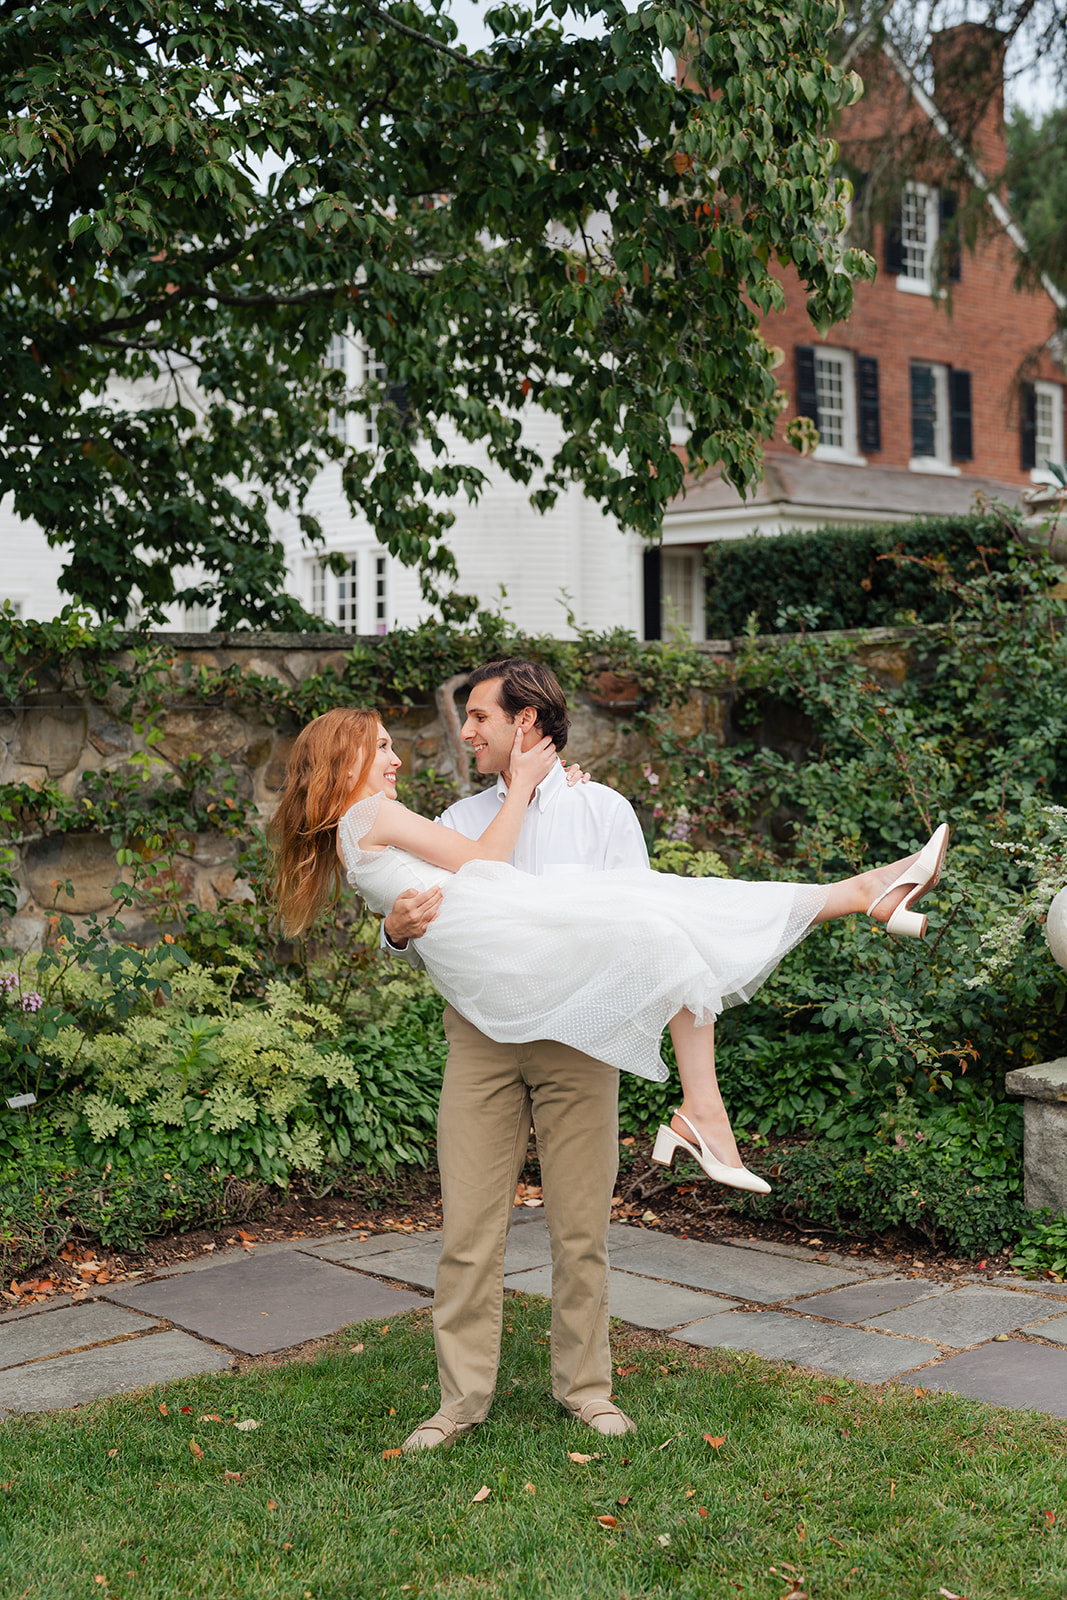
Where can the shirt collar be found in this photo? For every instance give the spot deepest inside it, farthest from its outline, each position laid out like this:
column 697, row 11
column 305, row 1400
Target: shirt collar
column 546, row 790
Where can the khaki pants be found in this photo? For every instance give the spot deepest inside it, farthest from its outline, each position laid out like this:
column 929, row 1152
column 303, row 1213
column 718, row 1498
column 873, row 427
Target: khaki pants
column 491, row 1094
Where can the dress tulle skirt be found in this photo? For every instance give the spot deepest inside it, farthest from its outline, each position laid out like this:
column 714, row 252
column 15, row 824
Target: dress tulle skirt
column 602, row 961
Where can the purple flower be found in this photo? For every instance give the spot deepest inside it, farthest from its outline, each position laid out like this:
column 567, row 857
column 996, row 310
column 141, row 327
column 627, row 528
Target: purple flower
column 32, row 1001
column 8, row 981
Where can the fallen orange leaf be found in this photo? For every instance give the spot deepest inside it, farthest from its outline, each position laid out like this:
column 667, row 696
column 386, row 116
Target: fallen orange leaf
column 715, row 1441
column 272, row 1505
column 702, row 1511
column 623, row 1500
column 163, row 1408
column 392, row 1411
column 232, row 1477
column 385, row 1329
column 827, row 1399
column 1050, row 1517
column 249, row 1238
column 210, row 1417
column 112, row 1452
column 529, row 1488
column 355, row 1349
column 483, row 1494
column 387, row 1453
column 195, row 1448
column 609, row 1522
column 576, row 1455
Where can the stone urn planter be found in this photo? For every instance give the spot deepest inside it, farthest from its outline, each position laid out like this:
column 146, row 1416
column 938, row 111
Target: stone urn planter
column 1056, row 928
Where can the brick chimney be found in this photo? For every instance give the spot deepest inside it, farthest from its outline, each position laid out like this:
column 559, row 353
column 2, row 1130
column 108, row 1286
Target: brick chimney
column 968, row 63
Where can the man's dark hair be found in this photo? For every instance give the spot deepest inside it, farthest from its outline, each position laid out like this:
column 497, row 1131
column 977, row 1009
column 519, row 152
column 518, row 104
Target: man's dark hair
column 525, row 683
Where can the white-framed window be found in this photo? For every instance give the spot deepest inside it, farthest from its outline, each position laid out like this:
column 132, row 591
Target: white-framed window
column 381, row 595
column 347, row 613
column 835, row 387
column 317, row 605
column 199, row 618
column 1048, row 430
column 920, row 229
column 681, row 593
column 361, row 367
column 355, row 600
column 930, row 421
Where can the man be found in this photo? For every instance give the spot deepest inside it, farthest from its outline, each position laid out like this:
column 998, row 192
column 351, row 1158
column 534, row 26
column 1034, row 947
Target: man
column 492, row 1092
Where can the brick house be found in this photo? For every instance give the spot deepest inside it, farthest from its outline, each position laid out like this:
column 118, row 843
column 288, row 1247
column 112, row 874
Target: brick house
column 947, row 378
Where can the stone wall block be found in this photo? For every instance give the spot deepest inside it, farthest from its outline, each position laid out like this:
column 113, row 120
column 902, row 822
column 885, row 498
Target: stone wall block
column 256, row 752
column 686, row 717
column 301, row 664
column 274, row 775
column 25, row 933
column 889, row 664
column 54, row 739
column 268, row 667
column 87, row 859
column 108, row 737
column 591, row 740
column 199, row 731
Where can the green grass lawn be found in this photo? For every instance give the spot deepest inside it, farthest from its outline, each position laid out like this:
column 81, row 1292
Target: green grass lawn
column 819, row 1487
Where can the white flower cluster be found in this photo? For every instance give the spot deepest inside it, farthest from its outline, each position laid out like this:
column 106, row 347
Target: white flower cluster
column 1047, row 863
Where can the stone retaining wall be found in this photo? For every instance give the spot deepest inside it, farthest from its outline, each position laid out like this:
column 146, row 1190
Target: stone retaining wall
column 60, row 733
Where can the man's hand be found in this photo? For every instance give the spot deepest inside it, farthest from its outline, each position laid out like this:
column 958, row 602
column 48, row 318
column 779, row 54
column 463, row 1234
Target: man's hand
column 412, row 913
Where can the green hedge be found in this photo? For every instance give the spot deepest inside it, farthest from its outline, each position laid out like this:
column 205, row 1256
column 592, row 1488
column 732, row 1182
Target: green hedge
column 836, row 576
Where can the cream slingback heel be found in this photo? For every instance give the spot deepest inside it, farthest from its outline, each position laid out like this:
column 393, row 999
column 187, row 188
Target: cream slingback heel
column 668, row 1143
column 923, row 874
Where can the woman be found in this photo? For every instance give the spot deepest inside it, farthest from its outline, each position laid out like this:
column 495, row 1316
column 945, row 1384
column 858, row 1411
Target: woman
column 600, row 961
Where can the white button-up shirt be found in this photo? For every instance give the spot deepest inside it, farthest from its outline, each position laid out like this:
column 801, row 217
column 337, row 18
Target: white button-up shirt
column 587, row 828
column 584, row 828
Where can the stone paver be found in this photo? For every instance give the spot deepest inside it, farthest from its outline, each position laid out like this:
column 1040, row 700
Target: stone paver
column 726, row 1270
column 799, row 1252
column 860, row 1301
column 640, row 1301
column 1028, row 1377
column 844, row 1352
column 267, row 1302
column 378, row 1244
column 72, row 1380
column 527, row 1247
column 1014, row 1280
column 965, row 1316
column 1055, row 1329
column 55, row 1331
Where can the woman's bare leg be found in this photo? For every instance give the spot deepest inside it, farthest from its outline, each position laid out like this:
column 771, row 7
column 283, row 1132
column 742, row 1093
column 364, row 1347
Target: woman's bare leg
column 849, row 895
column 694, row 1047
column 694, row 1050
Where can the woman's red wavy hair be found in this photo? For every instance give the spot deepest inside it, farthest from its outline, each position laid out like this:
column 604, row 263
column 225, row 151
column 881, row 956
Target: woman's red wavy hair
column 319, row 788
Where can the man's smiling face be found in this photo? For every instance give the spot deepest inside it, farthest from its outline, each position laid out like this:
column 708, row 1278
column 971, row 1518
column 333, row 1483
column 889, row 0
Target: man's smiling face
column 489, row 730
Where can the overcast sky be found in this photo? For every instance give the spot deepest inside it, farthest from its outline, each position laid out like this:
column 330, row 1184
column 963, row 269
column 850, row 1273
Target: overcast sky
column 1034, row 91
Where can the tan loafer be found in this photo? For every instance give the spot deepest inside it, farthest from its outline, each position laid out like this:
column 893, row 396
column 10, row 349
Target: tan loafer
column 604, row 1417
column 435, row 1432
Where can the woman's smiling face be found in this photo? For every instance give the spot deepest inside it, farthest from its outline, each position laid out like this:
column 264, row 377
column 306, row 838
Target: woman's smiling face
column 384, row 767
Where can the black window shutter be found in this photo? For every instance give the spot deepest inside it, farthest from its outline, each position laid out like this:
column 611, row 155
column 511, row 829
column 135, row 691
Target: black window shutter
column 870, row 416
column 959, row 401
column 948, row 203
column 1028, row 426
column 653, row 567
column 807, row 388
column 923, row 411
column 894, row 245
